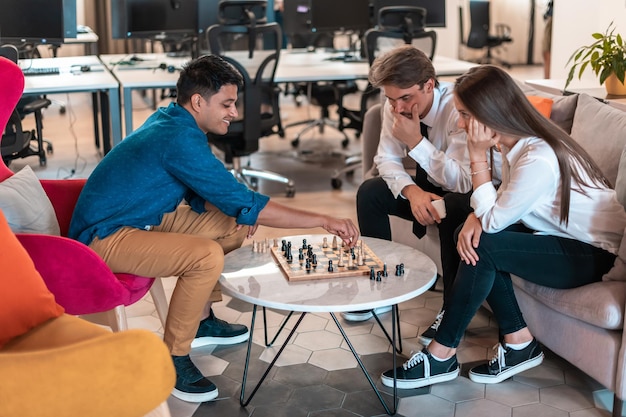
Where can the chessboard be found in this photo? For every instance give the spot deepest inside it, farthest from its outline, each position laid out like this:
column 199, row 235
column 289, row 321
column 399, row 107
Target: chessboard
column 296, row 270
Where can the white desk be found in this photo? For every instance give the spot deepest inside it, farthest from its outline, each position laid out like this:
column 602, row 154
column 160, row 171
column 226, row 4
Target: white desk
column 98, row 80
column 257, row 279
column 293, row 66
column 88, row 38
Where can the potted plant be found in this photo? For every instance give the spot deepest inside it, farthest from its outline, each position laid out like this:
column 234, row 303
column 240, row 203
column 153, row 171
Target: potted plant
column 606, row 57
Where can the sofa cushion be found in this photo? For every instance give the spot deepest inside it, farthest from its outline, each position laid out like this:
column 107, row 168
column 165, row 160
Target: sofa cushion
column 600, row 304
column 600, row 128
column 620, row 182
column 25, row 301
column 542, row 104
column 618, row 272
column 26, row 205
column 563, row 107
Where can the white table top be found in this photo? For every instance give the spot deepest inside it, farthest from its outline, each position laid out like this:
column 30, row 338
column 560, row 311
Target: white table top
column 70, row 77
column 256, row 278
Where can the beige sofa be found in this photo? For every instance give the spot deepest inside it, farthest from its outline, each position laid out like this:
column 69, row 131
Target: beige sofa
column 585, row 325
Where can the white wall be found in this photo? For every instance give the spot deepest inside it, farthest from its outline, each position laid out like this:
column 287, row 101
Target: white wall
column 574, row 21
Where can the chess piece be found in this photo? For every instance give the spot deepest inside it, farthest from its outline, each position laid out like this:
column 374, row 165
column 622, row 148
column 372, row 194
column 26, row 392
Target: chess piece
column 372, row 273
column 334, row 242
column 378, row 274
column 304, row 243
column 275, row 242
column 359, row 260
column 325, row 243
column 253, row 247
column 283, row 248
column 307, row 265
column 330, row 266
column 385, row 274
column 314, row 260
column 340, row 263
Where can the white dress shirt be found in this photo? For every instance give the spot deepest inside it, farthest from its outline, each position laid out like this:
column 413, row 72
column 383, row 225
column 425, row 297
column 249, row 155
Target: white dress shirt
column 443, row 154
column 531, row 194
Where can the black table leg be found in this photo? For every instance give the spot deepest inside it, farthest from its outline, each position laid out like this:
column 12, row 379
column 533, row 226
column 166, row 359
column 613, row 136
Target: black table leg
column 242, row 400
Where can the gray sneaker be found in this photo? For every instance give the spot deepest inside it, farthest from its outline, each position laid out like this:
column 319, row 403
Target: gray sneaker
column 363, row 315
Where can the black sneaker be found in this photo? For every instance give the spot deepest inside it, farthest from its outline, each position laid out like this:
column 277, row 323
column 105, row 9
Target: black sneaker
column 422, row 370
column 507, row 362
column 191, row 385
column 213, row 331
column 428, row 336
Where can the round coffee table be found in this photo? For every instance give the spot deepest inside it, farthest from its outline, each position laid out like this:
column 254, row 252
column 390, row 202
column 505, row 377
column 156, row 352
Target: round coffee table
column 257, row 278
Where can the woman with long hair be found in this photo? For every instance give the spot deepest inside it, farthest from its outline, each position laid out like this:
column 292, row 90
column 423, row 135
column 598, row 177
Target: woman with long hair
column 554, row 221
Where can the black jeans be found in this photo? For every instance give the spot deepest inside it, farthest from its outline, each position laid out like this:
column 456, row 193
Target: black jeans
column 375, row 203
column 551, row 261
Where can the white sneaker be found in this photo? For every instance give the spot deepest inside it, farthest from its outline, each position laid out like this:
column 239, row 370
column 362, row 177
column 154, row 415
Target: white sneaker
column 428, row 335
column 363, row 315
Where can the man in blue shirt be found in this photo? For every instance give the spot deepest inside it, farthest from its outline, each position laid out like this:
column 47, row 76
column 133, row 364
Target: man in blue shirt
column 161, row 204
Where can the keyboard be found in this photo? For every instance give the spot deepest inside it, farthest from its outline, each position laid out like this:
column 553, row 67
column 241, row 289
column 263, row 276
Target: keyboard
column 40, row 71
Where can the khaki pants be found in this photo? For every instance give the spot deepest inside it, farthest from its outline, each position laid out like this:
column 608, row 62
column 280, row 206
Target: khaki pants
column 186, row 244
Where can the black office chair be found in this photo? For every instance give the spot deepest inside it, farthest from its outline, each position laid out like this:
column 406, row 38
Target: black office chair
column 323, row 94
column 17, row 143
column 259, row 113
column 479, row 36
column 398, row 25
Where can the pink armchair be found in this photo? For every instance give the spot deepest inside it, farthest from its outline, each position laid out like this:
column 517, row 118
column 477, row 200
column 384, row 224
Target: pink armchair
column 64, row 263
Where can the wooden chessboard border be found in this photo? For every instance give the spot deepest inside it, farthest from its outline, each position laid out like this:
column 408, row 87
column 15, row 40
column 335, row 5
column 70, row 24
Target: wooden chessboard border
column 321, row 272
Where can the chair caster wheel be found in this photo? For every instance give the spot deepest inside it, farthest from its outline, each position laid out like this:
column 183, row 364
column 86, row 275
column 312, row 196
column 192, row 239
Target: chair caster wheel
column 62, row 110
column 336, row 183
column 291, row 192
column 43, row 162
column 345, row 143
column 295, row 142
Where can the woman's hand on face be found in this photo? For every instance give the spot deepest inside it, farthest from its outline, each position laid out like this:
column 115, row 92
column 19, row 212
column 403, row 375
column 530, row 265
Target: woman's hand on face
column 468, row 240
column 480, row 137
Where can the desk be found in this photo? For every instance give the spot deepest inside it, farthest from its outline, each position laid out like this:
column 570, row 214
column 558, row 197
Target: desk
column 293, row 66
column 88, row 38
column 256, row 278
column 71, row 79
column 589, row 87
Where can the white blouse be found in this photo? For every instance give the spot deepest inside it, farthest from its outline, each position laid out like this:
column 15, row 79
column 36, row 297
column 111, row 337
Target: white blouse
column 531, row 194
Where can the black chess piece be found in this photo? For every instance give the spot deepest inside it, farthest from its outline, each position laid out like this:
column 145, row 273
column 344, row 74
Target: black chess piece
column 372, row 273
column 307, row 265
column 330, row 266
column 378, row 274
column 385, row 273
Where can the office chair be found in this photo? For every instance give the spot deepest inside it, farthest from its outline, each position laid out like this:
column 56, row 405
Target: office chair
column 479, row 37
column 17, row 143
column 397, row 25
column 259, row 115
column 323, row 94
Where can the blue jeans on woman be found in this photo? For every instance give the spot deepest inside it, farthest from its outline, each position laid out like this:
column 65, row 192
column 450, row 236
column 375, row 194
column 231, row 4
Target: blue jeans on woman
column 551, row 261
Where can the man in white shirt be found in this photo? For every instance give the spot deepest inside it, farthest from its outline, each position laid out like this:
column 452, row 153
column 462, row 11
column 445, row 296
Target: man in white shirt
column 419, row 120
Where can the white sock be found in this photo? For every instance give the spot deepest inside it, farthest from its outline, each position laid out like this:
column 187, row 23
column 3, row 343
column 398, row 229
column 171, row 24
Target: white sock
column 518, row 346
column 438, row 359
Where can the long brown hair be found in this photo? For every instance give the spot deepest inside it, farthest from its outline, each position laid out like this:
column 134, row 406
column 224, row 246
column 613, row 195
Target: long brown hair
column 495, row 100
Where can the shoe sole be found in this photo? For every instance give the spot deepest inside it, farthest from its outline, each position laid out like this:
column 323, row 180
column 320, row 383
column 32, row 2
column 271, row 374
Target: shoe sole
column 204, row 341
column 352, row 316
column 192, row 397
column 494, row 379
column 419, row 383
column 425, row 341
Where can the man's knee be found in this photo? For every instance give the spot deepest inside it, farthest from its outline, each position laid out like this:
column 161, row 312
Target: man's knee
column 371, row 189
column 205, row 255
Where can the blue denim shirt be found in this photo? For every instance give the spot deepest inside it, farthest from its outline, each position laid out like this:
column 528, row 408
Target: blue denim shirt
column 149, row 173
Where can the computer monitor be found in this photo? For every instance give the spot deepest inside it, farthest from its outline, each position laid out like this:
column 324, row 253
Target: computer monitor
column 37, row 21
column 339, row 15
column 154, row 19
column 435, row 9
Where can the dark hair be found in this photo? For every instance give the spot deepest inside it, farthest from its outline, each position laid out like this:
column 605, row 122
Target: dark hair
column 205, row 76
column 404, row 67
column 495, row 99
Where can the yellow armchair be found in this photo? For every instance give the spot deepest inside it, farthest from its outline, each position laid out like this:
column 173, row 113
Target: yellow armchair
column 70, row 367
